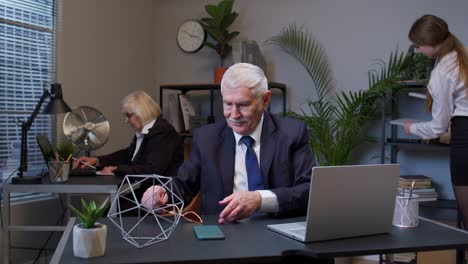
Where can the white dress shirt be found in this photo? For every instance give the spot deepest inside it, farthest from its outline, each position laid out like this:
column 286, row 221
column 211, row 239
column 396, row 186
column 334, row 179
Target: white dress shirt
column 269, row 199
column 140, row 135
column 449, row 98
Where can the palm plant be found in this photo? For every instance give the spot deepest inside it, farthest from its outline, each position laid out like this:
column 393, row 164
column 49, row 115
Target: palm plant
column 336, row 121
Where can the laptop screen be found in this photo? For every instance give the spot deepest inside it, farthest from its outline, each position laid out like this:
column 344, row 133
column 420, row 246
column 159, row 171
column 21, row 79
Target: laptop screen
column 347, row 201
column 45, row 146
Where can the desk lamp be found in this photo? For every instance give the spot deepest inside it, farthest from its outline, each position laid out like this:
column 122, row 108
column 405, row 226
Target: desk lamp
column 56, row 105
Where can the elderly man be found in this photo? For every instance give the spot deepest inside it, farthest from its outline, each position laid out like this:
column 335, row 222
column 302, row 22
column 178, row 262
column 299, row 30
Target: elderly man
column 252, row 161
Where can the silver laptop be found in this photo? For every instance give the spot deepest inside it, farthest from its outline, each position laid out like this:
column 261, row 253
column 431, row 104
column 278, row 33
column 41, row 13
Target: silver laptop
column 347, row 201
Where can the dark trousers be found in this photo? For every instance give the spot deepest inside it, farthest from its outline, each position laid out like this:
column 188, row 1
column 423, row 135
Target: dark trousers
column 459, row 151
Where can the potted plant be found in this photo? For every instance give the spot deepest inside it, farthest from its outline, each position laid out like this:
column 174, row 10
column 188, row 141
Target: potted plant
column 64, row 150
column 89, row 237
column 221, row 18
column 337, row 122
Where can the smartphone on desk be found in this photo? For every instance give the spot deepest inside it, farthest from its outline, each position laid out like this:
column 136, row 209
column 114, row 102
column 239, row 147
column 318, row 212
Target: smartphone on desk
column 208, row 232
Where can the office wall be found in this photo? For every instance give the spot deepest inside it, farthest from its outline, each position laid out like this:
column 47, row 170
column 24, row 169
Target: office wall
column 353, row 33
column 106, row 51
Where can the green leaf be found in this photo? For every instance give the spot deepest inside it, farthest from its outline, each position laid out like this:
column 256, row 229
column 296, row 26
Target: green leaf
column 214, row 33
column 212, row 10
column 65, row 149
column 226, row 6
column 79, row 214
column 231, row 35
column 101, row 208
column 84, row 204
column 228, row 20
column 207, row 21
column 92, row 206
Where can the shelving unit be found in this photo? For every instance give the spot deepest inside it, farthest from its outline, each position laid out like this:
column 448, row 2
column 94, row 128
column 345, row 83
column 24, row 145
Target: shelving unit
column 394, row 141
column 185, row 88
column 445, row 210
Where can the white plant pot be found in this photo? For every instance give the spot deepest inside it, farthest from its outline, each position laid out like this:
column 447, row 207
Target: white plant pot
column 89, row 242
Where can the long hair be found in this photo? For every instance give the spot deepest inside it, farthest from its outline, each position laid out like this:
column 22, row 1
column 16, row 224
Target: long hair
column 430, row 30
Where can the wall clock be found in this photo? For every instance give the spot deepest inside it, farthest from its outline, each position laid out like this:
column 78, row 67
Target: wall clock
column 191, row 36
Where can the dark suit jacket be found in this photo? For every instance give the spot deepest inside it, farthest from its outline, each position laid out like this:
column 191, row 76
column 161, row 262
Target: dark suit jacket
column 161, row 152
column 286, row 164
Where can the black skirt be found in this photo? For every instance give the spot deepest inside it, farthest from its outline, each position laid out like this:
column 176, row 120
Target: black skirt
column 459, row 150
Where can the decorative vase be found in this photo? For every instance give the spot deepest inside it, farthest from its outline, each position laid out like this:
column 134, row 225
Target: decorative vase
column 89, row 242
column 218, row 74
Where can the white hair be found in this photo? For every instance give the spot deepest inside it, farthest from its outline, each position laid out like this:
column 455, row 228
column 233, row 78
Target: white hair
column 141, row 104
column 245, row 75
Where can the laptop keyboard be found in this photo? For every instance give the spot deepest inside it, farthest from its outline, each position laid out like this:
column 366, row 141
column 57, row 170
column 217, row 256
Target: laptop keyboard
column 299, row 232
column 297, row 228
column 83, row 172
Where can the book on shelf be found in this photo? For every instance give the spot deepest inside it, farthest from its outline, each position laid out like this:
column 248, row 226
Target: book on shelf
column 416, row 185
column 174, row 115
column 187, row 110
column 418, row 195
column 417, row 95
column 420, row 181
column 416, row 177
column 423, row 198
column 418, row 190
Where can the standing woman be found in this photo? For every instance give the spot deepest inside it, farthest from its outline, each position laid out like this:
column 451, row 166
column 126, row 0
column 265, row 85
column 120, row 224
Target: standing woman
column 156, row 147
column 448, row 87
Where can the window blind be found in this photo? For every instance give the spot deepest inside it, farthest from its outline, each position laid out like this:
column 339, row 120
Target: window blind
column 27, row 65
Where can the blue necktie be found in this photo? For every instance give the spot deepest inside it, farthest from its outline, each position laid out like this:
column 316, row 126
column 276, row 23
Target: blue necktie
column 251, row 164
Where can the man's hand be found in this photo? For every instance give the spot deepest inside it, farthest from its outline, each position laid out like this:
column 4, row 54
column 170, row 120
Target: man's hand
column 154, row 197
column 239, row 205
column 84, row 161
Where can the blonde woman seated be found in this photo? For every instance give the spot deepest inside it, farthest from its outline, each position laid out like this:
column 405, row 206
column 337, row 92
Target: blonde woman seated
column 156, row 147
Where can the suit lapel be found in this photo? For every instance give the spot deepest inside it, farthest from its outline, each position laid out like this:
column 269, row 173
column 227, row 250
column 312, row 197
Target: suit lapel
column 226, row 153
column 267, row 146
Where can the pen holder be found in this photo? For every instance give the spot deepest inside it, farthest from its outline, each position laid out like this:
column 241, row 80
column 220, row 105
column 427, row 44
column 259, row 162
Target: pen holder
column 58, row 170
column 406, row 212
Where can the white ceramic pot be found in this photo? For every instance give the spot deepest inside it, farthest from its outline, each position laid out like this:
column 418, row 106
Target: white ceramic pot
column 89, row 242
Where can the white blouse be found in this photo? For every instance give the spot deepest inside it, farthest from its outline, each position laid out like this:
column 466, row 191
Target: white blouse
column 449, row 98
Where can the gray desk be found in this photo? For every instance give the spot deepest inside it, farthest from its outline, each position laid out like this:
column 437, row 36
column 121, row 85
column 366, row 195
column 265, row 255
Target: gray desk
column 75, row 184
column 250, row 241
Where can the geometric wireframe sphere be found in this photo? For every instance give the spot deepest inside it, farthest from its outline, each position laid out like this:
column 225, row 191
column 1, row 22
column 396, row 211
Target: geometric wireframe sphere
column 159, row 222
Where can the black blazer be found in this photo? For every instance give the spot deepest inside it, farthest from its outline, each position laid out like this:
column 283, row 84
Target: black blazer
column 285, row 163
column 161, row 152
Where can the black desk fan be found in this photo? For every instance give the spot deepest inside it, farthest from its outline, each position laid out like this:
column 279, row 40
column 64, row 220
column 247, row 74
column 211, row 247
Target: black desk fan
column 86, row 128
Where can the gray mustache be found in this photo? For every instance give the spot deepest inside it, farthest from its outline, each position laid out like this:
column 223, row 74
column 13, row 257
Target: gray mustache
column 242, row 120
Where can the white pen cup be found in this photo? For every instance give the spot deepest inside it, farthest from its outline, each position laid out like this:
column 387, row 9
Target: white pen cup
column 406, row 212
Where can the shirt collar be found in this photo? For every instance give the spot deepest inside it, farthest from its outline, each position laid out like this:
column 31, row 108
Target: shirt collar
column 256, row 134
column 146, row 128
